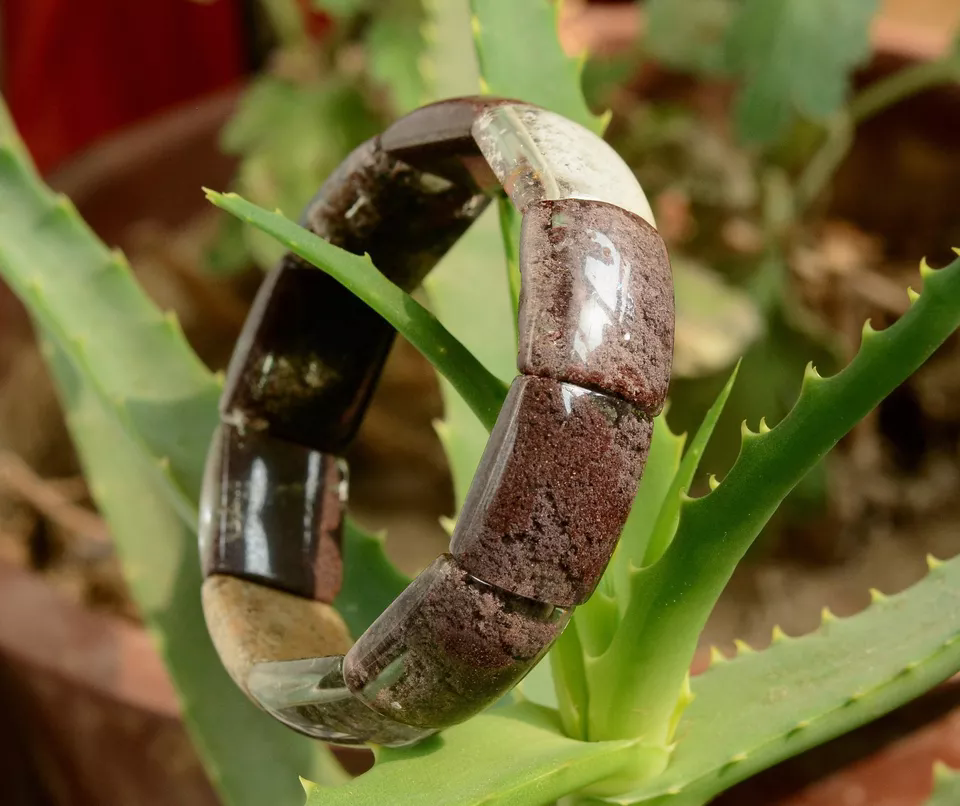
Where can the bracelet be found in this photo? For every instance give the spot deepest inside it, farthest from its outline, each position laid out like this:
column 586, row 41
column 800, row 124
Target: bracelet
column 558, row 475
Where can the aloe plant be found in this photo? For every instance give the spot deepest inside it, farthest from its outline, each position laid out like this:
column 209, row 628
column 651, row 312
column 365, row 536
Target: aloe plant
column 613, row 716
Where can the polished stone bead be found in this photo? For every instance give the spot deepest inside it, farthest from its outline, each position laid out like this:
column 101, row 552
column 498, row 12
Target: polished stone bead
column 449, row 646
column 285, row 652
column 438, row 138
column 310, row 696
column 596, row 305
column 310, row 352
column 552, row 491
column 272, row 511
column 537, row 154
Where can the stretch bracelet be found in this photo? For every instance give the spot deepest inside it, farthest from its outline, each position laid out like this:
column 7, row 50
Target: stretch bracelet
column 557, row 477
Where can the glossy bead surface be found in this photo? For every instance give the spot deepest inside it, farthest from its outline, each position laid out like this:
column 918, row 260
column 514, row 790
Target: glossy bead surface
column 272, row 511
column 310, row 352
column 438, row 138
column 596, row 303
column 449, row 646
column 310, row 696
column 552, row 491
column 537, row 154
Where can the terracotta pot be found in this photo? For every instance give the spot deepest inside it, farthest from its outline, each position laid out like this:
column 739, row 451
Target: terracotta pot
column 93, row 712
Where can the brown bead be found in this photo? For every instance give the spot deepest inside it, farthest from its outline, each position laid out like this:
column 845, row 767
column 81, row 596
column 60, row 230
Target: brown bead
column 553, row 490
column 310, row 352
column 596, row 306
column 272, row 512
column 448, row 647
column 438, row 138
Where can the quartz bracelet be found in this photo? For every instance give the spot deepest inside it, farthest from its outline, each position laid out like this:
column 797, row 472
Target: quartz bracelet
column 556, row 480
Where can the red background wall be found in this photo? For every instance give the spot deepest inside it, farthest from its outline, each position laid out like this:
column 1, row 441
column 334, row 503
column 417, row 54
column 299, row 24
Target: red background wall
column 76, row 70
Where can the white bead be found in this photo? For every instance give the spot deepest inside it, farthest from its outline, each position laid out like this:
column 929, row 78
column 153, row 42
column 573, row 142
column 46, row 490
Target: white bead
column 537, row 154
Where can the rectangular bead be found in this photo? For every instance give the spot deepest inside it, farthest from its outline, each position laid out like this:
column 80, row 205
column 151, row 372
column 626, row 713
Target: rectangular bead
column 553, row 490
column 596, row 305
column 310, row 352
column 448, row 647
column 272, row 511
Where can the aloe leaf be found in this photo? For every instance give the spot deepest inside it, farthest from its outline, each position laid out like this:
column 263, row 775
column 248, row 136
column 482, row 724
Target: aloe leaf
column 796, row 56
column 520, row 57
column 161, row 402
column 85, row 298
column 946, row 786
column 469, row 281
column 668, row 517
column 476, row 384
column 395, row 44
column 370, row 581
column 762, row 707
column 449, row 64
column 663, row 462
column 514, row 756
column 634, row 685
column 250, row 758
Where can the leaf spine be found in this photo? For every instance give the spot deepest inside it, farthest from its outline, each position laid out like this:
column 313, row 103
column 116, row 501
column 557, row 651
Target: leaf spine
column 810, row 373
column 743, row 648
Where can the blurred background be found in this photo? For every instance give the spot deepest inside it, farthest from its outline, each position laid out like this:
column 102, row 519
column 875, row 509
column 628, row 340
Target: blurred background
column 786, row 232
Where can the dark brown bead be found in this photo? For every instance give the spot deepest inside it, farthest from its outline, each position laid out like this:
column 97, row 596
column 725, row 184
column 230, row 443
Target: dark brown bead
column 310, row 352
column 438, row 138
column 448, row 647
column 272, row 512
column 596, row 306
column 553, row 490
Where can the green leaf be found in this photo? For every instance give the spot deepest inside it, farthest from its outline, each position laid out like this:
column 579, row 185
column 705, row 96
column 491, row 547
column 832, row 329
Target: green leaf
column 795, row 56
column 663, row 462
column 688, row 34
column 449, row 64
column 468, row 280
column 291, row 136
column 370, row 581
column 520, row 57
column 395, row 46
column 482, row 390
column 946, row 786
column 631, row 693
column 133, row 387
column 85, row 298
column 250, row 757
column 668, row 517
column 514, row 756
column 761, row 707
